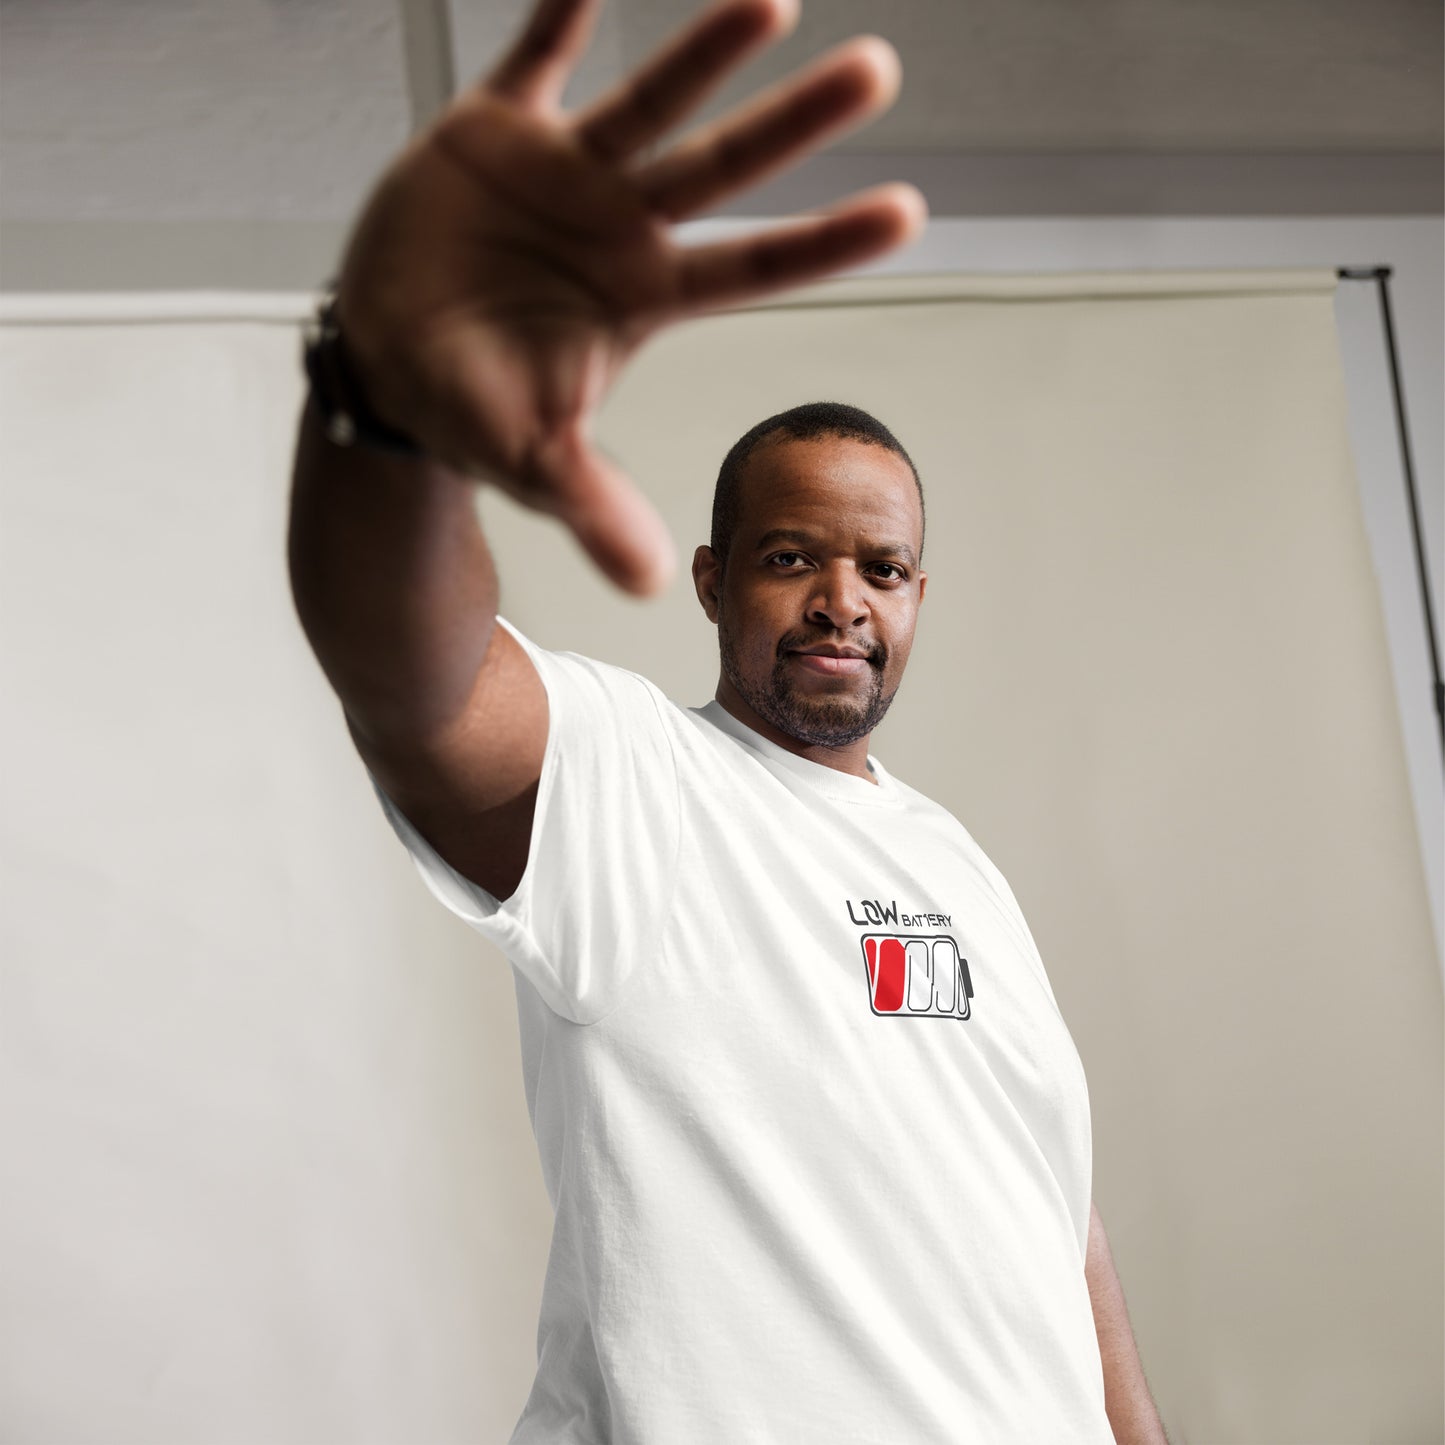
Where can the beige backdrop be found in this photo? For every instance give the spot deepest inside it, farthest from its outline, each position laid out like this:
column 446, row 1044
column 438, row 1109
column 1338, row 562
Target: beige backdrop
column 267, row 1172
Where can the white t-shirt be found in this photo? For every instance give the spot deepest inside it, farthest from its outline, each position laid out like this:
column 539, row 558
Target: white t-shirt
column 816, row 1136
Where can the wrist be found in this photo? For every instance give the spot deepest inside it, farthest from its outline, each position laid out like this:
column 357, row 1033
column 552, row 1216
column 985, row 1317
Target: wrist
column 337, row 391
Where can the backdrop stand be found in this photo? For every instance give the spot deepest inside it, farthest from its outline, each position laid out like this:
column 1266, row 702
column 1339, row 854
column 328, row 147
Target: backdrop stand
column 1381, row 275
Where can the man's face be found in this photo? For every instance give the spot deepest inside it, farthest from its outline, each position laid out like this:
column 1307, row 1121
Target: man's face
column 840, row 581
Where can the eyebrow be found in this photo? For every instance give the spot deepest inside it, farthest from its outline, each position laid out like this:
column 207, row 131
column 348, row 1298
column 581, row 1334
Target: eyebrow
column 806, row 539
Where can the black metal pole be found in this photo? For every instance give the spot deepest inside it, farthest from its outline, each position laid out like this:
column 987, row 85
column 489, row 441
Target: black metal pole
column 1381, row 275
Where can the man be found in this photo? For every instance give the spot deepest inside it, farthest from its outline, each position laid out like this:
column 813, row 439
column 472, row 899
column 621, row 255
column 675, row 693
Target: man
column 816, row 1136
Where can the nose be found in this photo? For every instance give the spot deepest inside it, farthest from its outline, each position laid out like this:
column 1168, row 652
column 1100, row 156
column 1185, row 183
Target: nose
column 839, row 599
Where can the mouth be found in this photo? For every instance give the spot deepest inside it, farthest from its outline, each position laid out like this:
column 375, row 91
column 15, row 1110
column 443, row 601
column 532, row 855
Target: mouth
column 830, row 666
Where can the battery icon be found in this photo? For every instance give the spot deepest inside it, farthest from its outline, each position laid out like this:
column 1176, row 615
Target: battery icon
column 917, row 976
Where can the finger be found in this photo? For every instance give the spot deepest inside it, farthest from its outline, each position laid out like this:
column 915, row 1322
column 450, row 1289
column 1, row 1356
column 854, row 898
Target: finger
column 617, row 526
column 849, row 85
column 679, row 76
column 535, row 71
column 854, row 231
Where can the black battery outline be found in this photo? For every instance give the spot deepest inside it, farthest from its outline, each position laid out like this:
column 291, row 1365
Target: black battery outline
column 963, row 978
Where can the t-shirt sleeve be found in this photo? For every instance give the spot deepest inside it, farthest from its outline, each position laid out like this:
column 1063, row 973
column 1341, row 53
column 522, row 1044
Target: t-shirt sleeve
column 599, row 877
column 1031, row 947
column 1009, row 907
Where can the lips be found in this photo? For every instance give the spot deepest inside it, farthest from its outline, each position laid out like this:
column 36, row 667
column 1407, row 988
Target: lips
column 830, row 666
column 828, row 649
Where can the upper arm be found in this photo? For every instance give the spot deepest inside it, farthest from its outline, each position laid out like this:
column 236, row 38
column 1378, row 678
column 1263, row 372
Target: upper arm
column 1133, row 1416
column 471, row 790
column 1098, row 1261
column 1106, row 1295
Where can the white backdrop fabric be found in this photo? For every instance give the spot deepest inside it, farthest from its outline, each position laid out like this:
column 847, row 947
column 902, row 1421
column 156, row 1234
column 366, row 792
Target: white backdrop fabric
column 266, row 1169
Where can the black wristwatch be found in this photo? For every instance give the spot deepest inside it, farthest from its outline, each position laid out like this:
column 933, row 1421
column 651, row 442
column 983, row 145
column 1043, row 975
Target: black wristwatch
column 339, row 400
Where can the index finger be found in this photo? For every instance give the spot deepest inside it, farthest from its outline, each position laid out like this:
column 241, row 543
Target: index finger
column 809, row 248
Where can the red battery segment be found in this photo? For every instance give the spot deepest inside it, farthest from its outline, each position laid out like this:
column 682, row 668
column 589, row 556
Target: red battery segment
column 917, row 977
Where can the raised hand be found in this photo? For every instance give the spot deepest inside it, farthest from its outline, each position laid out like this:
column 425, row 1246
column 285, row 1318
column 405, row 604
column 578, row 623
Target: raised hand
column 513, row 257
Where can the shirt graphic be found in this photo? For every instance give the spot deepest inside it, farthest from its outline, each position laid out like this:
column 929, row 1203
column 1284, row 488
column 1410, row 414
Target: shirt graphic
column 921, row 975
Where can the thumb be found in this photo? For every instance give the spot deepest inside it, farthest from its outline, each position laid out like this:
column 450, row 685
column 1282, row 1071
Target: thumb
column 618, row 527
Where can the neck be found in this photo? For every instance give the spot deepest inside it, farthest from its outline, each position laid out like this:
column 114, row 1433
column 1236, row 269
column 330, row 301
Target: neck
column 851, row 758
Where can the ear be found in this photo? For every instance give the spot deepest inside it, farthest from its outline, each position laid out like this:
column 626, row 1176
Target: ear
column 707, row 579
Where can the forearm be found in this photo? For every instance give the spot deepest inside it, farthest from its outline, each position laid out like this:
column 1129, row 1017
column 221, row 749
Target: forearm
column 393, row 582
column 1127, row 1401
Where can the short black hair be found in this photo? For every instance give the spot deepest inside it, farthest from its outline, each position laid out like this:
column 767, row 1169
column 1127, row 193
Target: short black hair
column 798, row 423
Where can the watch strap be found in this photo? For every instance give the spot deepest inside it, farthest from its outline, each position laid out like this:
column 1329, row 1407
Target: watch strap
column 346, row 415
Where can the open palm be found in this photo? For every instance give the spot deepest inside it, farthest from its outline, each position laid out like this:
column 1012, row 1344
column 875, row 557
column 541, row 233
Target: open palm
column 513, row 257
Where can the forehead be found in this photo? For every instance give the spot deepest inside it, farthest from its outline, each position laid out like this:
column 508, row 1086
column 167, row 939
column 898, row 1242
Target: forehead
column 827, row 481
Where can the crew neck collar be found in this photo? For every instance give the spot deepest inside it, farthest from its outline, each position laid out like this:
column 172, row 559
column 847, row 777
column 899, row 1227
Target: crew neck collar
column 845, row 787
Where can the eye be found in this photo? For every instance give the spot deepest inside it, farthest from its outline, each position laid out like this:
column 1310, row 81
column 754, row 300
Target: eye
column 901, row 574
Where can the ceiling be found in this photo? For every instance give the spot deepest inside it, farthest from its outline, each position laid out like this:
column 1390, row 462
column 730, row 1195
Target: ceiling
column 1084, row 75
column 277, row 113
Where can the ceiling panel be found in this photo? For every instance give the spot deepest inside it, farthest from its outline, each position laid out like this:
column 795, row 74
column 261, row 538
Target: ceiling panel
column 1083, row 75
column 281, row 112
column 182, row 109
